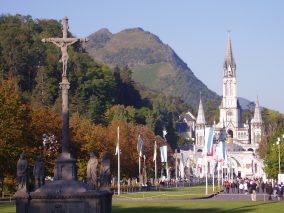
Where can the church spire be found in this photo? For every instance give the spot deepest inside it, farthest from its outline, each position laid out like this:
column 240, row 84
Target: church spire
column 257, row 118
column 229, row 63
column 200, row 116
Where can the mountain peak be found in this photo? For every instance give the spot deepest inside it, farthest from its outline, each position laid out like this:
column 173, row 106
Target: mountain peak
column 154, row 64
column 104, row 31
column 98, row 39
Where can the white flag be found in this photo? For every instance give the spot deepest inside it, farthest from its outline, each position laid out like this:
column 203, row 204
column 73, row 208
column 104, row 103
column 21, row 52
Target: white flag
column 155, row 152
column 117, row 144
column 209, row 134
column 163, row 150
column 140, row 146
column 165, row 133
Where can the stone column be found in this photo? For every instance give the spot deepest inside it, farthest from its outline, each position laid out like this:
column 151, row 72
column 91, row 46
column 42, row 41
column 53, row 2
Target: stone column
column 64, row 86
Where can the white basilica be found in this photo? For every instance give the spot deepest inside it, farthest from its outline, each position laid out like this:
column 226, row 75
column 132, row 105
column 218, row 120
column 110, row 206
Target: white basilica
column 242, row 139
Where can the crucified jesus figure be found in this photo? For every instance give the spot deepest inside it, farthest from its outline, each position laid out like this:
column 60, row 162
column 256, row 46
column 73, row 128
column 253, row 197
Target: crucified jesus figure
column 63, row 44
column 64, row 58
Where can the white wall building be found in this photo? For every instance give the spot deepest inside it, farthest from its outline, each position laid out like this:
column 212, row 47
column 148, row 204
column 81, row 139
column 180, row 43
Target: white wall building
column 242, row 139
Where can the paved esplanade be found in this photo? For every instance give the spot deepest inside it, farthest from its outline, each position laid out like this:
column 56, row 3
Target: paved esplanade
column 63, row 43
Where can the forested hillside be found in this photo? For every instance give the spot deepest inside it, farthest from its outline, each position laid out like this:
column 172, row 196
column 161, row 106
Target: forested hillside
column 154, row 64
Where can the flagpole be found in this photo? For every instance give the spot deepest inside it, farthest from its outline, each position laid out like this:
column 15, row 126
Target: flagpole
column 167, row 169
column 218, row 174
column 222, row 173
column 139, row 167
column 206, row 174
column 213, row 172
column 176, row 165
column 118, row 163
column 155, row 151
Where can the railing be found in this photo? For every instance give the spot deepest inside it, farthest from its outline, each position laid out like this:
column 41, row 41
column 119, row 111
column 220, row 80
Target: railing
column 6, row 197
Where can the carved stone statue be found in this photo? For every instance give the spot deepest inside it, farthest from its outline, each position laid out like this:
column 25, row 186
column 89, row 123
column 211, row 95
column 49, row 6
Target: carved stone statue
column 39, row 172
column 92, row 171
column 64, row 58
column 22, row 174
column 105, row 178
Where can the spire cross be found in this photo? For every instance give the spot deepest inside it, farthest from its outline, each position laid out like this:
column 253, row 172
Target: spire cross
column 63, row 44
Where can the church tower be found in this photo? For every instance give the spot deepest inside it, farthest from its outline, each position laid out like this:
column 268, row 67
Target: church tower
column 256, row 125
column 230, row 109
column 200, row 128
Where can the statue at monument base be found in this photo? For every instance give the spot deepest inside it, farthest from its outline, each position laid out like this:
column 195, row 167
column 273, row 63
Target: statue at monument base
column 65, row 194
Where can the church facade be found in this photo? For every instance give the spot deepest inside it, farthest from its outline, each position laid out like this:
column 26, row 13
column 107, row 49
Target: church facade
column 242, row 139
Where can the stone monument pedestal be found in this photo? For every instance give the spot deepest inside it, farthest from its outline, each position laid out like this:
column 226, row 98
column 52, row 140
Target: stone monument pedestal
column 65, row 194
column 65, row 199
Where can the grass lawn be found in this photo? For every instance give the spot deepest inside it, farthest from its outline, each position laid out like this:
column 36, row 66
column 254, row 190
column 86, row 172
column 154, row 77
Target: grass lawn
column 7, row 208
column 169, row 193
column 191, row 206
column 176, row 200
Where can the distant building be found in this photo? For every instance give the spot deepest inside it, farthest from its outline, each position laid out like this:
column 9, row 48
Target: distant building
column 242, row 139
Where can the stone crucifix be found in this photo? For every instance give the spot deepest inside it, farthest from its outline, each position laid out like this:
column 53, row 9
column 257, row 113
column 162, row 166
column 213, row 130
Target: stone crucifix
column 63, row 44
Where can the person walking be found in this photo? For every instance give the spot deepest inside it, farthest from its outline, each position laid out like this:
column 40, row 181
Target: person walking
column 263, row 186
column 245, row 187
column 269, row 190
column 241, row 187
column 252, row 190
column 279, row 192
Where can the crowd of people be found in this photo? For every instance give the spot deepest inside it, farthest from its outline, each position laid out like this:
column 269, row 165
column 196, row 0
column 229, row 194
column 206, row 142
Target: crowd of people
column 254, row 186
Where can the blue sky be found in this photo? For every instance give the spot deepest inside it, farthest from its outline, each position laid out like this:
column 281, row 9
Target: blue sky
column 195, row 29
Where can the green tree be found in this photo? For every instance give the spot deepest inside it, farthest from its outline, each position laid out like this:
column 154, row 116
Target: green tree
column 271, row 157
column 14, row 119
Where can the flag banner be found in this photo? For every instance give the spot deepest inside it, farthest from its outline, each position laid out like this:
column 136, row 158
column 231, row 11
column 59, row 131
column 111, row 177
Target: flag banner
column 117, row 144
column 224, row 151
column 116, row 149
column 184, row 157
column 140, row 146
column 181, row 169
column 221, row 151
column 165, row 133
column 218, row 153
column 209, row 133
column 163, row 150
column 155, row 152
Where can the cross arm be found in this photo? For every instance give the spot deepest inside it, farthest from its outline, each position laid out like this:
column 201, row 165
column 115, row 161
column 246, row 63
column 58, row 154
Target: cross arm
column 64, row 40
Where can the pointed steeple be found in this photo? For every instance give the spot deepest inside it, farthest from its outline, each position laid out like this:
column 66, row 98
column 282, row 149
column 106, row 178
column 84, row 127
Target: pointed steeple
column 200, row 116
column 229, row 63
column 257, row 118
